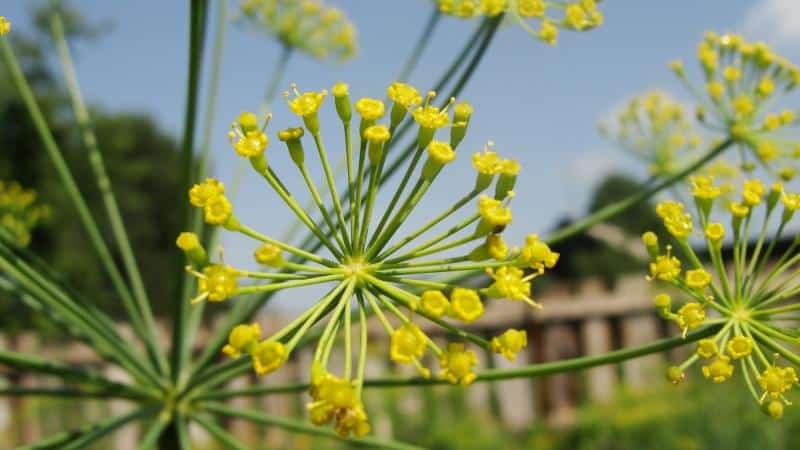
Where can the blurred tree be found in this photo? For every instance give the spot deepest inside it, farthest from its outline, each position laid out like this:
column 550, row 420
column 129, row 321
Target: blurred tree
column 138, row 156
column 586, row 256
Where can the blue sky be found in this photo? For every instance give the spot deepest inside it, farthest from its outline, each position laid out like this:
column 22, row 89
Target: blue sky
column 539, row 104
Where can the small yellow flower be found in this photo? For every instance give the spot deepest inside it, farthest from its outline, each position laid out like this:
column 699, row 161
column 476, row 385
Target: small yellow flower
column 766, row 150
column 510, row 283
column 218, row 283
column 242, row 339
column 715, row 89
column 774, row 382
column 188, row 241
column 306, row 104
column 218, row 210
column 531, row 8
column 690, row 316
column 457, row 363
column 252, row 144
column 675, row 375
column 5, row 26
column 738, row 209
column 434, row 303
column 752, row 191
column 465, row 304
column 486, row 163
column 377, row 134
column 765, row 87
column 441, row 152
column 493, row 8
column 201, row 193
column 404, row 95
column 269, row 255
column 408, row 343
column 731, row 74
column 537, row 254
column 548, row 32
column 669, row 208
column 493, row 212
column 575, row 16
column 743, row 105
column 698, row 279
column 431, row 117
column 509, row 167
column 665, row 268
column 370, row 109
column 740, row 347
column 707, row 348
column 340, row 90
column 719, row 370
column 703, row 188
column 510, row 343
column 715, row 232
column 496, row 247
column 772, row 122
column 790, row 201
column 268, row 356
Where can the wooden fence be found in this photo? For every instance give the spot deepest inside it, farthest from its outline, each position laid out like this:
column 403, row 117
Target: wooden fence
column 588, row 321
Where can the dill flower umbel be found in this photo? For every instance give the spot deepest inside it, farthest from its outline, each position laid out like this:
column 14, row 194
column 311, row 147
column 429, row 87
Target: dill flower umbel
column 653, row 127
column 308, row 25
column 580, row 15
column 19, row 213
column 752, row 298
column 366, row 265
column 742, row 82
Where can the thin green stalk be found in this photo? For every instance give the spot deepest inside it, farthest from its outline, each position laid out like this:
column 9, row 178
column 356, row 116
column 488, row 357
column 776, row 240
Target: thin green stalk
column 73, row 439
column 69, row 392
column 618, row 207
column 423, row 40
column 436, row 220
column 303, row 428
column 317, row 200
column 288, row 284
column 530, row 371
column 323, row 157
column 196, row 224
column 197, row 31
column 107, row 194
column 153, row 432
column 104, row 338
column 71, row 188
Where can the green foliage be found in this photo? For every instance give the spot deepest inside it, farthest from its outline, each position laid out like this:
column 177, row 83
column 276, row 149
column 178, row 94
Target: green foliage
column 139, row 158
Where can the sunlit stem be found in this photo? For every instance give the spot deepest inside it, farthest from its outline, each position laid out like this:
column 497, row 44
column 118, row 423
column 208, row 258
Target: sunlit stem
column 444, row 268
column 374, row 176
column 322, row 306
column 323, row 156
column 247, row 231
column 376, row 235
column 402, row 214
column 447, row 213
column 278, row 187
column 774, row 346
column 427, row 247
column 271, row 287
column 362, row 346
column 356, row 209
column 322, row 209
column 766, row 255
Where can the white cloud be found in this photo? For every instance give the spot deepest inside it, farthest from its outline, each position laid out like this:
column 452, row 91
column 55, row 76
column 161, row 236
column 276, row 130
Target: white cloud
column 777, row 21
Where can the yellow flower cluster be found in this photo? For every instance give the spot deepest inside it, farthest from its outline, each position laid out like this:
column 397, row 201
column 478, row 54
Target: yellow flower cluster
column 581, row 15
column 19, row 213
column 742, row 81
column 653, row 127
column 307, row 25
column 753, row 297
column 371, row 267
